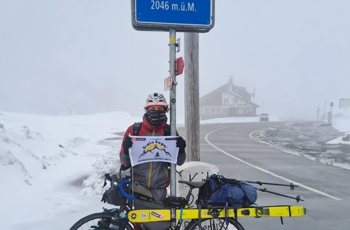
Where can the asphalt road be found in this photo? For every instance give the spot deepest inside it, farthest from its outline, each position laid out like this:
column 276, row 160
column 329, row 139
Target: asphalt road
column 325, row 189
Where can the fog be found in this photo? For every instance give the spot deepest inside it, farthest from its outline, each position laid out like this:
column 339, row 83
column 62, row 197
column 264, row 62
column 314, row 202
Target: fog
column 84, row 57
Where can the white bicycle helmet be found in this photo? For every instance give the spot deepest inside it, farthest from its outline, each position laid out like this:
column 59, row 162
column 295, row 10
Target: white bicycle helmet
column 156, row 99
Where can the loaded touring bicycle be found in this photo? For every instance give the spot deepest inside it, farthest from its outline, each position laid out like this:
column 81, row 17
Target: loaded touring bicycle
column 220, row 202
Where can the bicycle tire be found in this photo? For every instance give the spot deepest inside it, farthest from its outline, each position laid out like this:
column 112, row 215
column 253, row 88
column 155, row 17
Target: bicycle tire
column 90, row 217
column 194, row 224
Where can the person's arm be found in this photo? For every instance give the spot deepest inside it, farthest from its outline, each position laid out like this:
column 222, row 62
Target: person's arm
column 124, row 153
column 181, row 144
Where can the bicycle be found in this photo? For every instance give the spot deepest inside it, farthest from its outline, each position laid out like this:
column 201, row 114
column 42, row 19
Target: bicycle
column 125, row 217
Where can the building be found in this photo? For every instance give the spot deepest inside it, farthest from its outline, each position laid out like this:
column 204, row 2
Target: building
column 228, row 100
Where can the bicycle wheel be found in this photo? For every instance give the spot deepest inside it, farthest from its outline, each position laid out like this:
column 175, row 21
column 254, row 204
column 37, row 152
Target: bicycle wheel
column 214, row 224
column 96, row 220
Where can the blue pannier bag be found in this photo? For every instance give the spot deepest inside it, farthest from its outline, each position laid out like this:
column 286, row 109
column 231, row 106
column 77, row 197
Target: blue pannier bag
column 219, row 191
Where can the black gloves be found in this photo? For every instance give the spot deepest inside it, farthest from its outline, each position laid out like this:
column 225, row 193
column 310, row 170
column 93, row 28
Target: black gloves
column 127, row 144
column 181, row 144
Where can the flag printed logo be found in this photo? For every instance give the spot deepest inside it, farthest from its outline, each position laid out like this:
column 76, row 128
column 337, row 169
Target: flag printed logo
column 155, row 147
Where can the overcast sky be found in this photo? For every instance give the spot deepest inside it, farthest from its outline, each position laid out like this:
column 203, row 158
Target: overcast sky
column 84, row 55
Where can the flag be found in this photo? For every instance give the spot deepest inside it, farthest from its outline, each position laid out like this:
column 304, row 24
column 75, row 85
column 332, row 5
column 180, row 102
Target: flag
column 153, row 149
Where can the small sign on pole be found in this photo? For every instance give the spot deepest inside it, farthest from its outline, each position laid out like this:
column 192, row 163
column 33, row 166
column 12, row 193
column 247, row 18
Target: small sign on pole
column 331, row 104
column 168, row 83
column 180, row 66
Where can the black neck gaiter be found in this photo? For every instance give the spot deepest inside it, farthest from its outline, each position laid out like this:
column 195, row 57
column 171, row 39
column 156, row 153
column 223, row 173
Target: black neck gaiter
column 156, row 117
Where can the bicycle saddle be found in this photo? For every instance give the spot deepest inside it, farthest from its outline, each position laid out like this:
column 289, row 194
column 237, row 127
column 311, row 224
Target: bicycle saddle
column 196, row 184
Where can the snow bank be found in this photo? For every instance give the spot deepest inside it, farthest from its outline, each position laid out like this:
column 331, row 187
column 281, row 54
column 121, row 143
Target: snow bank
column 338, row 140
column 108, row 163
column 230, row 120
column 237, row 120
column 45, row 161
column 341, row 120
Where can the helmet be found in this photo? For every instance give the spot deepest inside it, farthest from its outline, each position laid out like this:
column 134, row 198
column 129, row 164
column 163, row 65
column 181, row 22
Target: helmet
column 156, row 99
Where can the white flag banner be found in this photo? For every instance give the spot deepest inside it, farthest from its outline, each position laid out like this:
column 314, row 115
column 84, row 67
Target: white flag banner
column 153, row 149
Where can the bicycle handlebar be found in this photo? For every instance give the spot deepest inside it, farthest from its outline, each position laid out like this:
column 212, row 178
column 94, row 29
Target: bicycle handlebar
column 123, row 192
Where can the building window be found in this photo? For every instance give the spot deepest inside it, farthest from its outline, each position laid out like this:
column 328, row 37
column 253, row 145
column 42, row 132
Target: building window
column 206, row 111
column 235, row 100
column 218, row 110
column 224, row 111
column 226, row 101
column 212, row 111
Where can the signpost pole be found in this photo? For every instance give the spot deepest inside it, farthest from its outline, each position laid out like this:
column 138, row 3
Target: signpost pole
column 172, row 70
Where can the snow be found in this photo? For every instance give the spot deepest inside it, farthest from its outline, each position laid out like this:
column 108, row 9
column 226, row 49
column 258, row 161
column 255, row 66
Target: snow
column 341, row 120
column 260, row 136
column 237, row 120
column 306, row 140
column 230, row 120
column 44, row 161
column 339, row 140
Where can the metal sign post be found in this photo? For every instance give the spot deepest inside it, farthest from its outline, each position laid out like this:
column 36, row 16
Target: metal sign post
column 196, row 16
column 172, row 70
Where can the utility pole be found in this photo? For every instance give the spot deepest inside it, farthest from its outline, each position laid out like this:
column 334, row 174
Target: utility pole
column 192, row 118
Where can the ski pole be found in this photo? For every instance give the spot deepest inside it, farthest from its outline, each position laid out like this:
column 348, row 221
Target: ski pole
column 275, row 193
column 291, row 185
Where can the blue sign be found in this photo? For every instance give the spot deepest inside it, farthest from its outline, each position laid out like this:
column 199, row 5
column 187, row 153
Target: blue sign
column 176, row 14
column 331, row 104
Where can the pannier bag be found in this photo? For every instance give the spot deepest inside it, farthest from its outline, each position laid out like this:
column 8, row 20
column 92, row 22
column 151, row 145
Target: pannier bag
column 219, row 191
column 113, row 195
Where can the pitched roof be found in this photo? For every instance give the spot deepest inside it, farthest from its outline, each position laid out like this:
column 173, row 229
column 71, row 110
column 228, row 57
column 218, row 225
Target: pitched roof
column 225, row 87
column 220, row 89
column 242, row 98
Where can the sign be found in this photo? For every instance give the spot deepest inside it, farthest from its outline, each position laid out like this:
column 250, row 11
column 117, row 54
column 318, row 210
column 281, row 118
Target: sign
column 180, row 66
column 331, row 104
column 147, row 149
column 183, row 16
column 168, row 83
column 344, row 103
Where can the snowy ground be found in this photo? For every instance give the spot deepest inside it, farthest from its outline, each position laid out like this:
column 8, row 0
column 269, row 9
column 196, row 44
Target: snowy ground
column 45, row 159
column 237, row 120
column 341, row 122
column 52, row 167
column 310, row 140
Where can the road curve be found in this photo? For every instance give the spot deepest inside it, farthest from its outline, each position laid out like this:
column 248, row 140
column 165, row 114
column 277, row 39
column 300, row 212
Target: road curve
column 325, row 189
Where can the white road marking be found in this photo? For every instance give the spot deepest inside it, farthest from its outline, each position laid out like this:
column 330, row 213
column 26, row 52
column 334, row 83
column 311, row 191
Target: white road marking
column 266, row 171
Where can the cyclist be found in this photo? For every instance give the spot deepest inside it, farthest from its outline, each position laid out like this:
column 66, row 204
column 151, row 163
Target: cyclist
column 154, row 176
